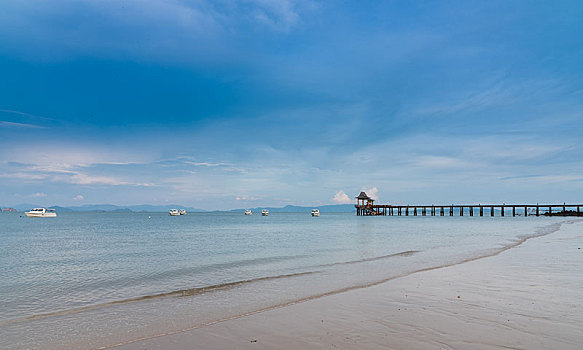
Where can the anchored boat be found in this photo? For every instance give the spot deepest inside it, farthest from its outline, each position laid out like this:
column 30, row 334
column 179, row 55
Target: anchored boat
column 41, row 213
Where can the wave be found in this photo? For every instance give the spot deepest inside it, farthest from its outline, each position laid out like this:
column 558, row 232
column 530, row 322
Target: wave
column 381, row 257
column 188, row 271
column 228, row 285
column 207, row 289
column 176, row 293
column 543, row 231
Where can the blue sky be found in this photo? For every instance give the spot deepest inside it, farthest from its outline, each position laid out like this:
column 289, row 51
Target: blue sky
column 243, row 103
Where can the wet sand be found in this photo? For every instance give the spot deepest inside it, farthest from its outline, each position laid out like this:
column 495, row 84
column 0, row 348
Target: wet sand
column 527, row 297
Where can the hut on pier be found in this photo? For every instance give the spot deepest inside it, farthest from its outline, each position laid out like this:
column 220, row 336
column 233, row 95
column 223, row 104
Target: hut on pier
column 363, row 200
column 365, row 206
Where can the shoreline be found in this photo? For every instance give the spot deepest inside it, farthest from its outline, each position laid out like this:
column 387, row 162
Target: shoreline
column 229, row 333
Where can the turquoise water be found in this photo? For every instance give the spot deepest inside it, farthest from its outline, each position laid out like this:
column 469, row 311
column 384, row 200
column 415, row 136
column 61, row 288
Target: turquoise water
column 87, row 280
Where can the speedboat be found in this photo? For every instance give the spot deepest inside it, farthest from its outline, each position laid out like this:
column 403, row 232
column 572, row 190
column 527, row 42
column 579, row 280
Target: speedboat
column 41, row 213
column 315, row 212
column 265, row 212
column 182, row 211
column 174, row 212
column 248, row 212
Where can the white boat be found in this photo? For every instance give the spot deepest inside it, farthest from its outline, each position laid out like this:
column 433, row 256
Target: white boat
column 315, row 212
column 248, row 212
column 174, row 212
column 182, row 211
column 265, row 212
column 41, row 213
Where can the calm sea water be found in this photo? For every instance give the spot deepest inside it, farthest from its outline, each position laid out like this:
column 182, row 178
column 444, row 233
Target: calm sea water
column 88, row 280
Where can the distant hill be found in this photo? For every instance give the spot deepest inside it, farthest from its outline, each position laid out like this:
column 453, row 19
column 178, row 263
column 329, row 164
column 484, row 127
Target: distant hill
column 335, row 208
column 108, row 208
column 96, row 207
column 144, row 207
column 23, row 207
column 60, row 209
column 156, row 208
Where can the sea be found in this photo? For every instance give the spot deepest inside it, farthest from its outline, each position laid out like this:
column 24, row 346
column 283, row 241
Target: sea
column 94, row 280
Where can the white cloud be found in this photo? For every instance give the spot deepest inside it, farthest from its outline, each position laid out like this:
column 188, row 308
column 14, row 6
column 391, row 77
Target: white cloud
column 341, row 198
column 280, row 14
column 66, row 176
column 72, row 165
column 544, row 179
column 78, row 198
column 205, row 164
column 38, row 195
column 24, row 176
column 4, row 123
column 246, row 198
column 84, row 179
column 373, row 193
column 182, row 27
column 64, row 157
column 440, row 162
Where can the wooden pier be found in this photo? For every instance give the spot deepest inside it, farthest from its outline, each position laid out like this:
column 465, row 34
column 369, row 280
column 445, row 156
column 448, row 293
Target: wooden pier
column 365, row 207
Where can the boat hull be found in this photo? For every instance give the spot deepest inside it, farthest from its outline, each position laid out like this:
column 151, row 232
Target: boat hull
column 41, row 215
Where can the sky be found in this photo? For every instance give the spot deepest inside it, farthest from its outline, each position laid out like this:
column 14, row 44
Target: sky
column 245, row 103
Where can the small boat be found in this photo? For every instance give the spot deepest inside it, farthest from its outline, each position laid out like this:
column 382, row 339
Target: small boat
column 41, row 213
column 248, row 212
column 182, row 211
column 174, row 212
column 315, row 212
column 265, row 212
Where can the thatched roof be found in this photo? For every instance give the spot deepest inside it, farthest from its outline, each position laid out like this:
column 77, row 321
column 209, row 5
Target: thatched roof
column 363, row 195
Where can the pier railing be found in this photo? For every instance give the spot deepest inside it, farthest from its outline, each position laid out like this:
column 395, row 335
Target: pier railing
column 479, row 209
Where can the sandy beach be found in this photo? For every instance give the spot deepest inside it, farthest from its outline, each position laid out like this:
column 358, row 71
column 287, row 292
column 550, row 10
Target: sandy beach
column 526, row 297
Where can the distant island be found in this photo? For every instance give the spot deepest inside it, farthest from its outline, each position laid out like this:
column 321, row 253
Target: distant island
column 565, row 213
column 111, row 208
column 333, row 208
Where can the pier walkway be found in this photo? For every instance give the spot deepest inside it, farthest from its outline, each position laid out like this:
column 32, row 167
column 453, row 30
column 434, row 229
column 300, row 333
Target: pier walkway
column 365, row 207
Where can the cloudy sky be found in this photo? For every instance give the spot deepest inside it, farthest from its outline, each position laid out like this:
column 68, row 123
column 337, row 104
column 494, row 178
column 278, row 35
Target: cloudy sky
column 242, row 103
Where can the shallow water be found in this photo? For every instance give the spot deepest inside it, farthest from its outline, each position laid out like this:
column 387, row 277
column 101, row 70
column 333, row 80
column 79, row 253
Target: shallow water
column 87, row 280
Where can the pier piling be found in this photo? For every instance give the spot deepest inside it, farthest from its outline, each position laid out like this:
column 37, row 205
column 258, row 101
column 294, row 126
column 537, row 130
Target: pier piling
column 365, row 207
